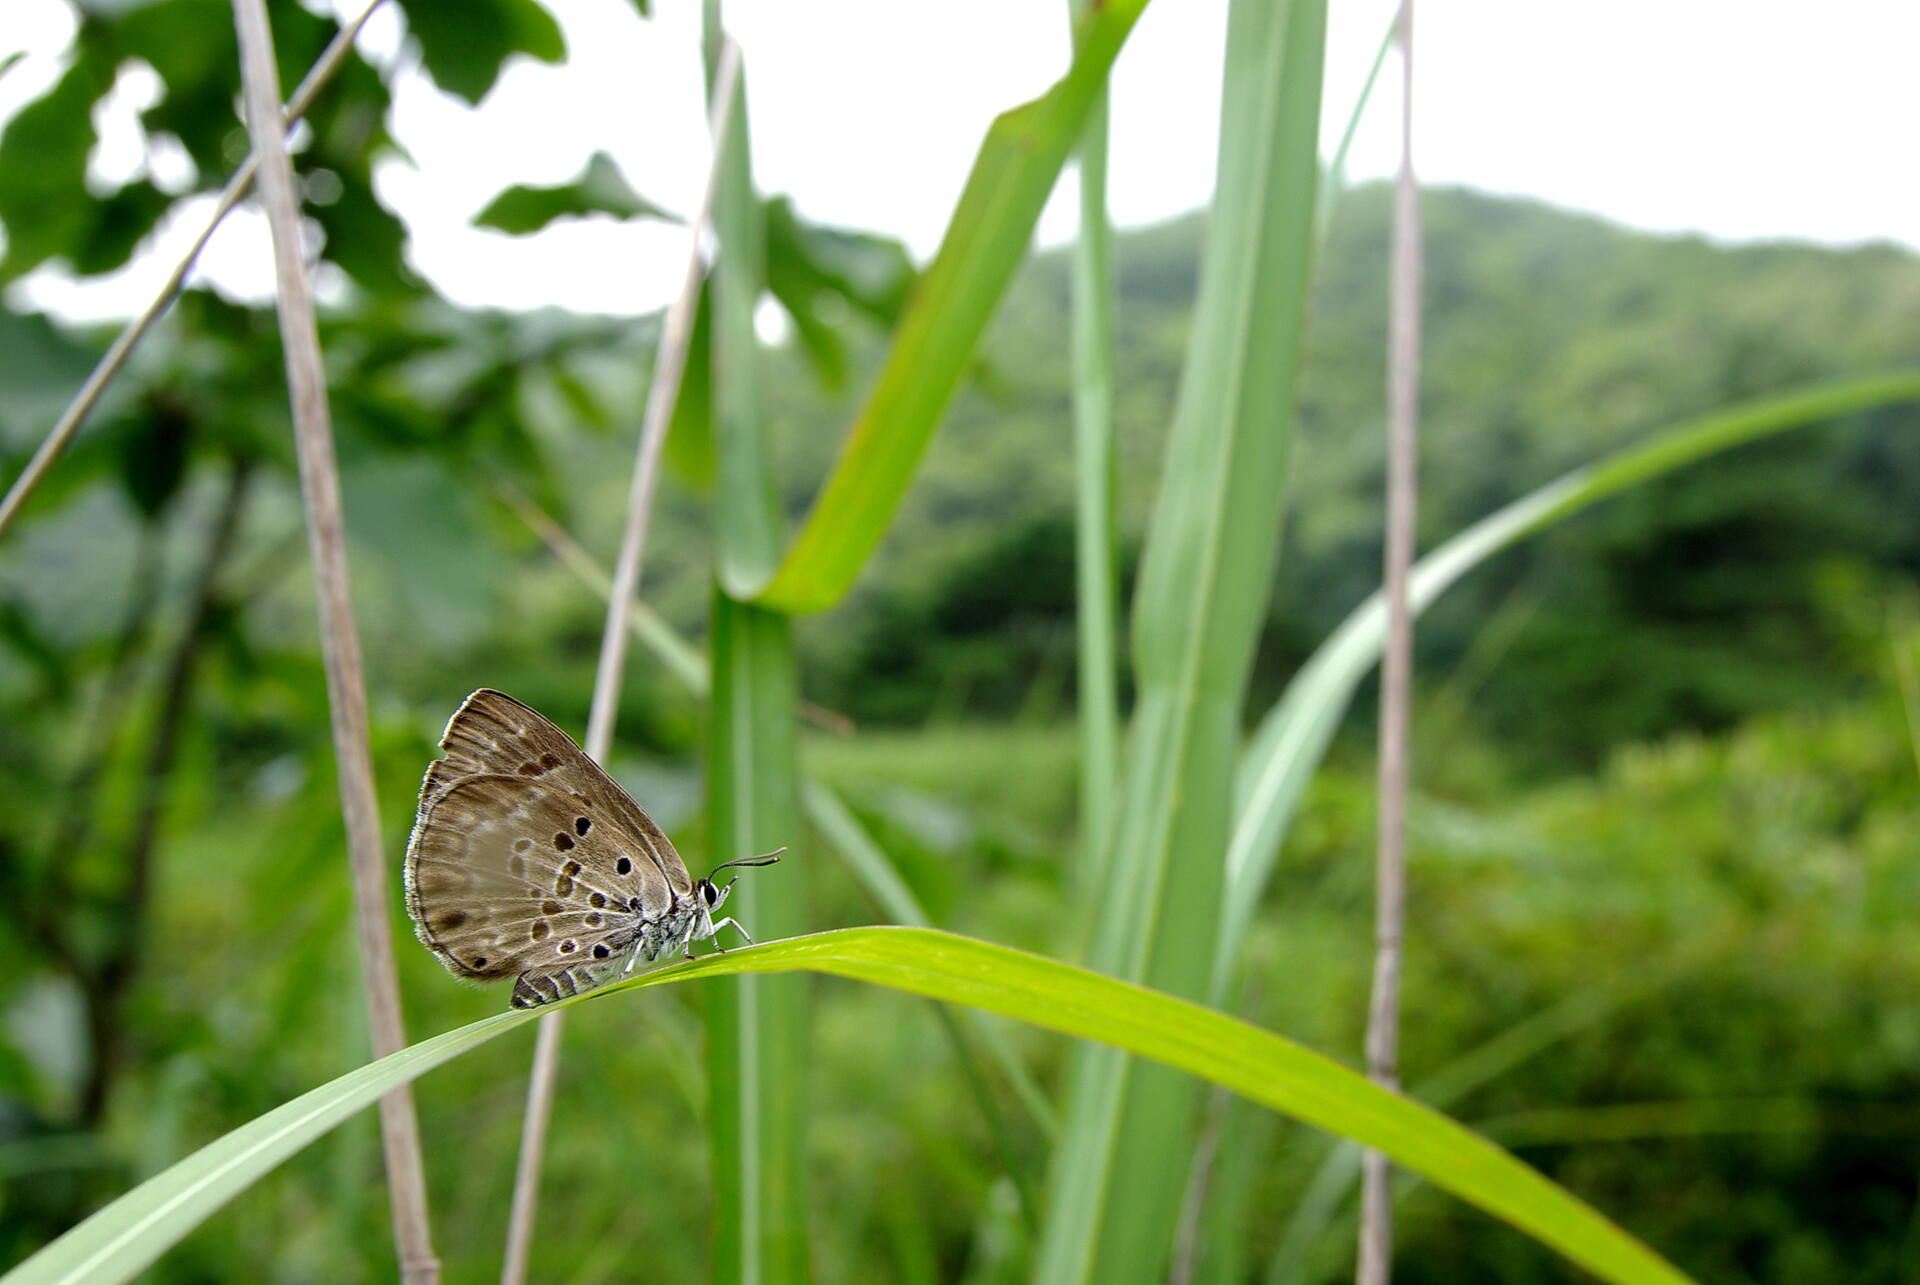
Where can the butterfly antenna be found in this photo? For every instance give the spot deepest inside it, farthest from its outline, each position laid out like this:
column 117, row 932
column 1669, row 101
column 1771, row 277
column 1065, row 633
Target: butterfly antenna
column 764, row 859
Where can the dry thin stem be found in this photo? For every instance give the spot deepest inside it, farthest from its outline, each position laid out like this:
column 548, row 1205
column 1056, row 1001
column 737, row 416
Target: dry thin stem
column 339, row 642
column 669, row 363
column 1396, row 680
column 116, row 355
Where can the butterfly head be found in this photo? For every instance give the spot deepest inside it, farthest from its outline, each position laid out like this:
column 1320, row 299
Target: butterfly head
column 710, row 895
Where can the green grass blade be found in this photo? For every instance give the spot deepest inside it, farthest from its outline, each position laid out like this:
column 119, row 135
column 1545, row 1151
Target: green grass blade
column 1018, row 164
column 1096, row 570
column 1336, row 179
column 133, row 1231
column 757, row 1031
column 1291, row 740
column 1119, row 1176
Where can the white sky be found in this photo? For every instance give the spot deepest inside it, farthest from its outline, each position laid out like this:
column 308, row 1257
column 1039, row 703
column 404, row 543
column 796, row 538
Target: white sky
column 1741, row 120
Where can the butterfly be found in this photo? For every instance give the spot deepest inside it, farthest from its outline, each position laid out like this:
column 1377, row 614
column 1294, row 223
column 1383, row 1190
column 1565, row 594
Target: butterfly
column 528, row 861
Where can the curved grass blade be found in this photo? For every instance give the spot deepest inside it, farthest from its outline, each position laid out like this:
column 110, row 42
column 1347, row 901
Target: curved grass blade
column 132, row 1232
column 1010, row 181
column 1293, row 737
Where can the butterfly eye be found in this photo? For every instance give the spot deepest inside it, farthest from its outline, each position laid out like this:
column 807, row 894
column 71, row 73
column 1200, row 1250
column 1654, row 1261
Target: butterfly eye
column 710, row 893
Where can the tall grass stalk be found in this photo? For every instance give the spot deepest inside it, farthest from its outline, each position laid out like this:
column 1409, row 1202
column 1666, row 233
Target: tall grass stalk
column 756, row 1026
column 1396, row 670
column 1096, row 574
column 339, row 639
column 663, row 390
column 331, row 59
column 1119, row 1175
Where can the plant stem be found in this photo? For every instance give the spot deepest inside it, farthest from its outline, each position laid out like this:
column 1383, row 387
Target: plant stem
column 669, row 364
column 339, row 640
column 1396, row 674
column 1096, row 593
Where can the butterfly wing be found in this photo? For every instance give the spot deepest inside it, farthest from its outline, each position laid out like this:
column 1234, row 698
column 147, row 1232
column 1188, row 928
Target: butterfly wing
column 527, row 860
column 493, row 733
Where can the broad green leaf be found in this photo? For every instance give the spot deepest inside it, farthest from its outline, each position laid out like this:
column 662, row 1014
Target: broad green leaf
column 1016, row 169
column 464, row 45
column 814, row 270
column 132, row 1232
column 43, row 153
column 1292, row 738
column 600, row 189
column 1120, row 1174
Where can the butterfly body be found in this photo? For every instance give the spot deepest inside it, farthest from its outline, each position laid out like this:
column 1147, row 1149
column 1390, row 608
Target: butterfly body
column 529, row 861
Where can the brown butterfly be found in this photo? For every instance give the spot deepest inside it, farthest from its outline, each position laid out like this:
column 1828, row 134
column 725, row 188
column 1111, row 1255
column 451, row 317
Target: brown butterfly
column 529, row 861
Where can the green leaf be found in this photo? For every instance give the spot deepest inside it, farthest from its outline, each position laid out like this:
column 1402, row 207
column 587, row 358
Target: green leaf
column 1011, row 178
column 364, row 238
column 815, row 272
column 132, row 1232
column 43, row 153
column 463, row 45
column 1120, row 1174
column 690, row 449
column 600, row 189
column 1294, row 735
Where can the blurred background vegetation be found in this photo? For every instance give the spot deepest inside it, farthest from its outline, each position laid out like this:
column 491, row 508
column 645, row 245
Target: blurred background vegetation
column 1668, row 756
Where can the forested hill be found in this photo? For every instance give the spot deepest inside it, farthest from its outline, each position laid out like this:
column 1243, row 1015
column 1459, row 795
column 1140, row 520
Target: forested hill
column 1757, row 580
column 1551, row 338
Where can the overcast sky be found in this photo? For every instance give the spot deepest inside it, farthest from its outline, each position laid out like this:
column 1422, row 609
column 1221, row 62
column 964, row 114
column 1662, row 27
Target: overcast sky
column 1742, row 121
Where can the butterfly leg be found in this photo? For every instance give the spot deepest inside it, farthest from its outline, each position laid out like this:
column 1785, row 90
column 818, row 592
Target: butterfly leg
column 737, row 928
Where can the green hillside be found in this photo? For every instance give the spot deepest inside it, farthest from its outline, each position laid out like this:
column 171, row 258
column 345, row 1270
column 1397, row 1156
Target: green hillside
column 1551, row 338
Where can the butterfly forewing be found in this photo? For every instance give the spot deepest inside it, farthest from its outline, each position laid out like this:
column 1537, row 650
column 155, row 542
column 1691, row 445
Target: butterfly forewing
column 526, row 858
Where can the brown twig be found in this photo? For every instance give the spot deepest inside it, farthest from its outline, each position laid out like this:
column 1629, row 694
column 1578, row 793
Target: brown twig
column 115, row 357
column 1396, row 677
column 339, row 640
column 669, row 363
